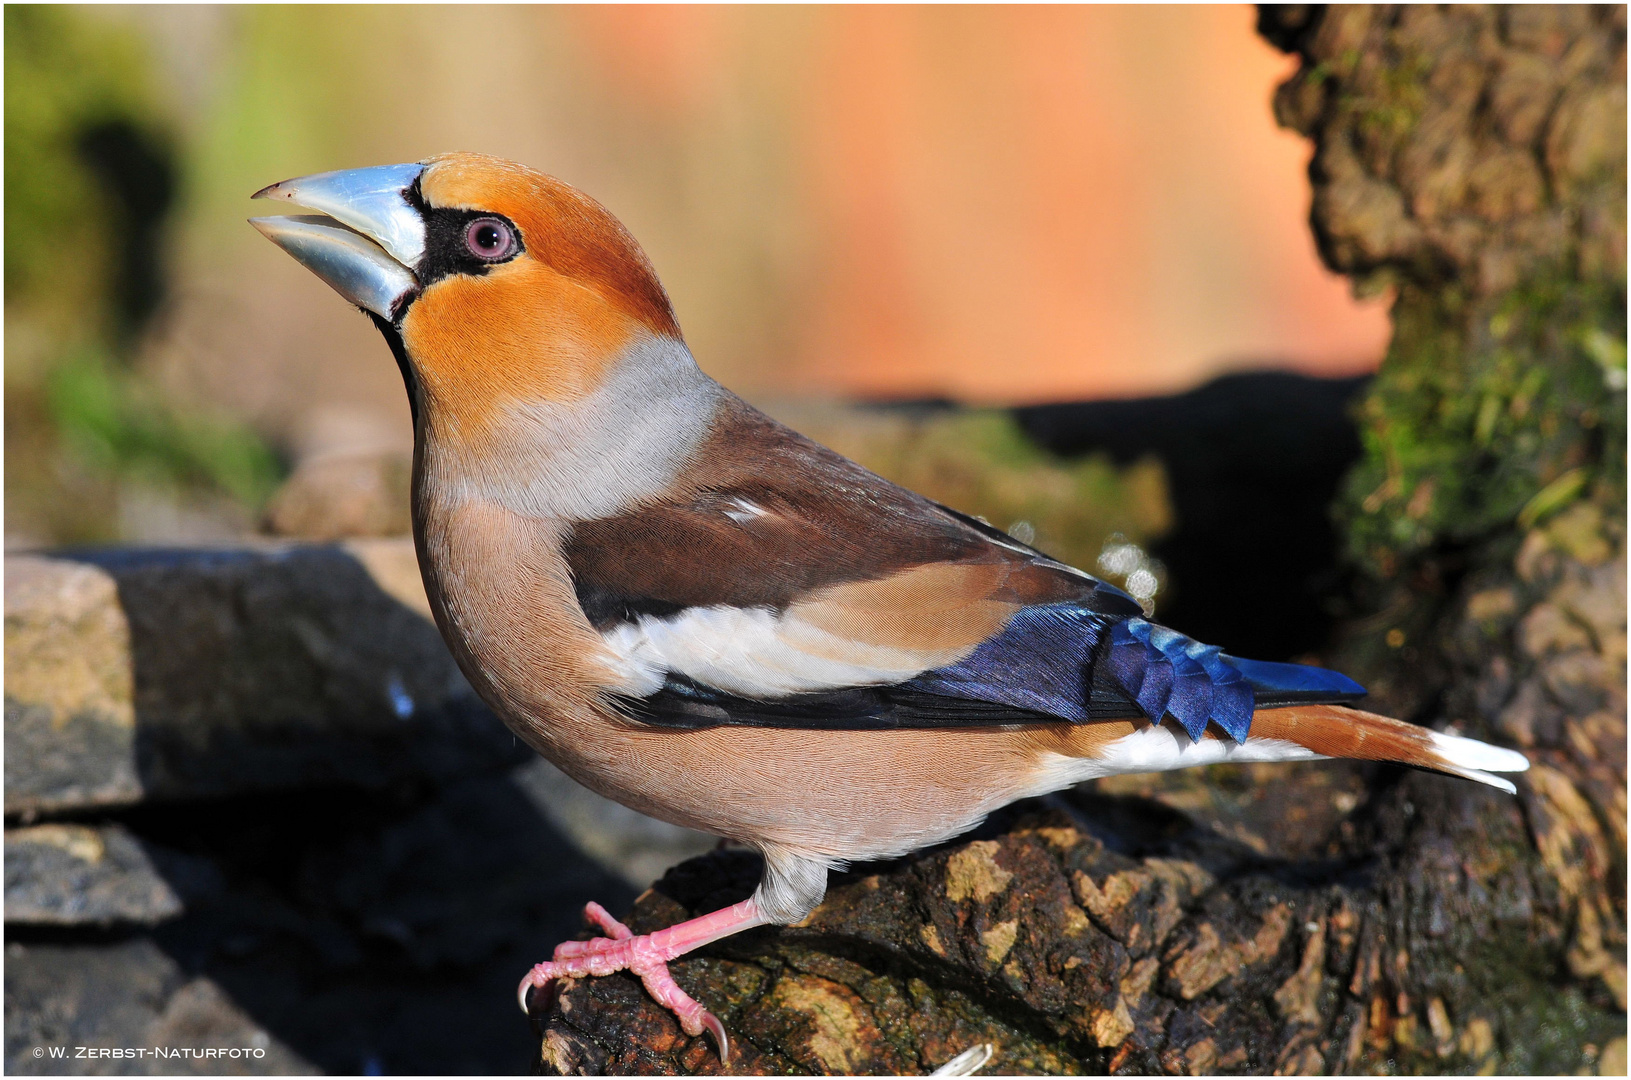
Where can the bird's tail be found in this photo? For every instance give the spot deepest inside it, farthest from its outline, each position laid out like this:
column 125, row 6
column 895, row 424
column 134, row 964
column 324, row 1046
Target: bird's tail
column 1339, row 731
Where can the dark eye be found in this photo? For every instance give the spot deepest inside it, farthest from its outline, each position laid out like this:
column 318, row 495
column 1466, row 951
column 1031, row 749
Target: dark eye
column 489, row 238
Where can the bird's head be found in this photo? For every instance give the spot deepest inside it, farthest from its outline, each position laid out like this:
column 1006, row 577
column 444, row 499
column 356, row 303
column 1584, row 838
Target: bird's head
column 498, row 284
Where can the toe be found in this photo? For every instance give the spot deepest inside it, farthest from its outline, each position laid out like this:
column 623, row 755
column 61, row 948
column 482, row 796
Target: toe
column 603, row 919
column 567, row 949
column 541, row 977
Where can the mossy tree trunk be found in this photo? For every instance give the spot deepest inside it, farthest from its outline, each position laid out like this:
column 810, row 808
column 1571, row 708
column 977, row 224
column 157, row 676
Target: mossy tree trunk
column 1473, row 160
column 1321, row 917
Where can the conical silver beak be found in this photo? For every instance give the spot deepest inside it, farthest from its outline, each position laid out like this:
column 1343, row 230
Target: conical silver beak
column 367, row 246
column 373, row 201
column 352, row 264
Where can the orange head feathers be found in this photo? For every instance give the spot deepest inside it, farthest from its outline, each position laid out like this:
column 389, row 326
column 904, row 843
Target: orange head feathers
column 563, row 229
column 507, row 285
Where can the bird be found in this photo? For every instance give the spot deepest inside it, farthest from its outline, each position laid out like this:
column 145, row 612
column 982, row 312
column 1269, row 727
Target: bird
column 699, row 613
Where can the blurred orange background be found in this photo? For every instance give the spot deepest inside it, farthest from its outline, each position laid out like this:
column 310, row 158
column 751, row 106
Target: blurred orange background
column 991, row 204
column 1016, row 204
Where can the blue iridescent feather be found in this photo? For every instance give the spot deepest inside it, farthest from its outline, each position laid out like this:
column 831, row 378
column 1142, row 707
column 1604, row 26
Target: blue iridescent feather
column 1041, row 660
column 1266, row 677
column 1167, row 673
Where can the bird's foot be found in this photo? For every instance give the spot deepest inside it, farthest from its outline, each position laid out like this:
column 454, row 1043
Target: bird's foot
column 646, row 956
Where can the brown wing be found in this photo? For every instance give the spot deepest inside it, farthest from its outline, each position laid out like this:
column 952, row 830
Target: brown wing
column 767, row 518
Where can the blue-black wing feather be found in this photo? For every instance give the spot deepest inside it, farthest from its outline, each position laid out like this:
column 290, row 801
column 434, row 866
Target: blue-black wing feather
column 1050, row 663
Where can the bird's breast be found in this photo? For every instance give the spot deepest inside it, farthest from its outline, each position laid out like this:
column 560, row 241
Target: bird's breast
column 503, row 599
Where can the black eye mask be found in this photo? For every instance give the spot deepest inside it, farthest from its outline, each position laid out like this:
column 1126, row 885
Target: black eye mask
column 445, row 250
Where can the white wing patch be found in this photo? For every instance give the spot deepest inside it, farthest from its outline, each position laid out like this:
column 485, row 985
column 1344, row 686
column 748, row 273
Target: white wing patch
column 742, row 510
column 757, row 653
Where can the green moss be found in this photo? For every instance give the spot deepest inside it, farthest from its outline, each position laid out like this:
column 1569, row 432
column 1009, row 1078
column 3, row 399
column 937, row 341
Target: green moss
column 1543, row 1029
column 1489, row 415
column 1387, row 101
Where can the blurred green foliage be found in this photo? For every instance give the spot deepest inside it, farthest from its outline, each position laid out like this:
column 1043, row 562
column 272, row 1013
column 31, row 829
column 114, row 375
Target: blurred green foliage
column 85, row 427
column 120, row 423
column 62, row 76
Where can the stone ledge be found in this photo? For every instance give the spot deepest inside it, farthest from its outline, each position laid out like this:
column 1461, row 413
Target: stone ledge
column 72, row 875
column 138, row 674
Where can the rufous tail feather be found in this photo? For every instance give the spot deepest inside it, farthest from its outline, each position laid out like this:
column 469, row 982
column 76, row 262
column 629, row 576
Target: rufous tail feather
column 1342, row 732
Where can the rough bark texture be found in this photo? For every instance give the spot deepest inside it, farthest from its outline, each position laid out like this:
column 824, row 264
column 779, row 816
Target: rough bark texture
column 1474, row 160
column 1314, row 918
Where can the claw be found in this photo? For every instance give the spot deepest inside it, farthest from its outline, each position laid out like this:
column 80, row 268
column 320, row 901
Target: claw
column 647, row 958
column 721, row 1040
column 967, row 1063
column 529, row 981
column 523, row 992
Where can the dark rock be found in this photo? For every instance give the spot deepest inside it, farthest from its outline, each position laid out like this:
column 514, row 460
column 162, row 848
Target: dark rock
column 86, row 760
column 635, row 847
column 69, row 703
column 131, row 998
column 74, row 875
column 155, row 674
column 381, row 930
column 454, row 883
column 306, row 818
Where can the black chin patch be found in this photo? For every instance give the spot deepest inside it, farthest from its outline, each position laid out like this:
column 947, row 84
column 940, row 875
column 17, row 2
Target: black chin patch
column 399, row 351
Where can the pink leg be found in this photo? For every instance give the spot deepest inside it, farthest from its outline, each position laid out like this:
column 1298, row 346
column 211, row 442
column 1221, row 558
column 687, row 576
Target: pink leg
column 647, row 956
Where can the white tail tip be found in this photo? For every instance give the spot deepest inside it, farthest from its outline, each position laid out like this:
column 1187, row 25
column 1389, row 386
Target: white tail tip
column 1475, row 760
column 1472, row 754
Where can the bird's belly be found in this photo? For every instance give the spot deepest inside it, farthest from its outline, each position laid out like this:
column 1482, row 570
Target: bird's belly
column 844, row 795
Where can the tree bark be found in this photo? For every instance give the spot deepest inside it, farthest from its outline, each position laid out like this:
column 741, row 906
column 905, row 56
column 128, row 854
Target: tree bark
column 1473, row 160
column 1321, row 917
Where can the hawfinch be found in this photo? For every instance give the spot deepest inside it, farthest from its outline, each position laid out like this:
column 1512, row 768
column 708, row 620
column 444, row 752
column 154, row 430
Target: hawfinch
column 697, row 612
